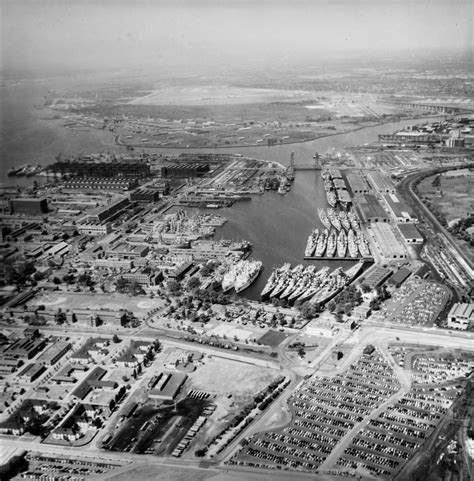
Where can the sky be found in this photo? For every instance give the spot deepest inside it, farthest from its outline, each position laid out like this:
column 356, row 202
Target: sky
column 211, row 34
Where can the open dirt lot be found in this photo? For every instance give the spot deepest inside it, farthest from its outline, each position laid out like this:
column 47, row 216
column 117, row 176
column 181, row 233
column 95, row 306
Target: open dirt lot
column 72, row 300
column 215, row 95
column 222, row 376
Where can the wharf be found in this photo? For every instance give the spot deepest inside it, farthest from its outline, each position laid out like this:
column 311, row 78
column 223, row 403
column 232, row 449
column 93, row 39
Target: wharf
column 355, row 259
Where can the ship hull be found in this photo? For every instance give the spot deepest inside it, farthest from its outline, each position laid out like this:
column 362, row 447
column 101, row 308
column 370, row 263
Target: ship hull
column 249, row 282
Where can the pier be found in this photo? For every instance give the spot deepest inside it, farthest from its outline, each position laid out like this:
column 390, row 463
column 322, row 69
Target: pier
column 323, row 258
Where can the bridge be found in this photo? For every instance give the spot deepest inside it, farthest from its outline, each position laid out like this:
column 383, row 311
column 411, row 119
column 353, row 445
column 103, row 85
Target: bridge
column 315, row 165
column 442, row 109
column 307, row 167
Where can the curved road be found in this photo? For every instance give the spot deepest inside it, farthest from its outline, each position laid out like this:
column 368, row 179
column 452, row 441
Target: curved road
column 406, row 189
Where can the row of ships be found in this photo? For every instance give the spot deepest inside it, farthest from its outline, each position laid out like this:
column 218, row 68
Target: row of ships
column 335, row 188
column 341, row 236
column 239, row 276
column 308, row 284
column 281, row 184
column 26, row 170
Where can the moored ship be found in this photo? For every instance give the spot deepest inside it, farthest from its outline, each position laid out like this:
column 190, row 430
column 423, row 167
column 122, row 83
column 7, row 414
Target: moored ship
column 332, row 198
column 318, row 280
column 344, row 219
column 321, row 245
column 334, row 218
column 353, row 220
column 274, row 279
column 353, row 271
column 352, row 244
column 249, row 272
column 304, row 282
column 323, row 215
column 363, row 245
column 341, row 243
column 311, row 243
column 331, row 244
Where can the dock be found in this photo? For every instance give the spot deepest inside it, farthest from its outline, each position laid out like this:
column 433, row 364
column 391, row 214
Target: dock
column 313, row 258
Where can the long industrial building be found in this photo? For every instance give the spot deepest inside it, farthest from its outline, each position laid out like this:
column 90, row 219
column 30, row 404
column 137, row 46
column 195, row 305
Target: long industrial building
column 370, row 209
column 399, row 209
column 411, row 234
column 381, row 183
column 357, row 183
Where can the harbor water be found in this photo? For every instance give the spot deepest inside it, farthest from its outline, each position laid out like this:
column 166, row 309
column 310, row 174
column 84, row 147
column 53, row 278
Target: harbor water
column 277, row 225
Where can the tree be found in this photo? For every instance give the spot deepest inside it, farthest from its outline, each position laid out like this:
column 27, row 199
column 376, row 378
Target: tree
column 85, row 280
column 56, row 280
column 135, row 289
column 308, row 310
column 68, row 278
column 116, row 339
column 121, row 285
column 173, row 286
column 193, row 283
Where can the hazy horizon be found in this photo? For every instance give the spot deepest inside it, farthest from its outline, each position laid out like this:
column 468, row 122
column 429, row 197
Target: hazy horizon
column 172, row 37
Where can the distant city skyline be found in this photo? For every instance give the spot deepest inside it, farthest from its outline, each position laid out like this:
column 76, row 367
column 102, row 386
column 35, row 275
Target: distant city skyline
column 212, row 35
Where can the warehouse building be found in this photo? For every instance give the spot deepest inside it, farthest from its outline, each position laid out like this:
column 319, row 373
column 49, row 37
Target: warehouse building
column 375, row 277
column 357, row 183
column 31, row 372
column 381, row 183
column 126, row 251
column 104, row 184
column 400, row 277
column 28, row 206
column 184, row 169
column 145, row 196
column 23, row 349
column 167, row 385
column 55, row 352
column 110, row 211
column 399, row 209
column 370, row 209
column 93, row 227
column 461, row 316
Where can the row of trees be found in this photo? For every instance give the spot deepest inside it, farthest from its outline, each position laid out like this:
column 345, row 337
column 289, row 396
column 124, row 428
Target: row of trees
column 459, row 229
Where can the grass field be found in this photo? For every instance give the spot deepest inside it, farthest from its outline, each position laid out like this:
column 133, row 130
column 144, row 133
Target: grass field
column 273, row 338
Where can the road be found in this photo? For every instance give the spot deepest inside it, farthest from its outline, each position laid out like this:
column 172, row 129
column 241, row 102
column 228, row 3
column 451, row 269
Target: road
column 370, row 333
column 406, row 189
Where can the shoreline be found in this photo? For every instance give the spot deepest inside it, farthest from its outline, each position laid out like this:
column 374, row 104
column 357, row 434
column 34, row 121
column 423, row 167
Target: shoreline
column 252, row 146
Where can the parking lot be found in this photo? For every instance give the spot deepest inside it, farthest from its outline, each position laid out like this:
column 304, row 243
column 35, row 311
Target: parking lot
column 417, row 303
column 324, row 410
